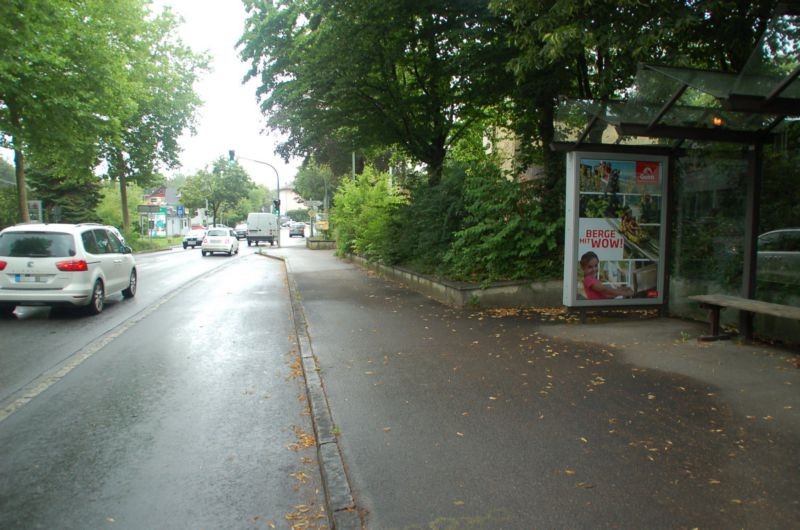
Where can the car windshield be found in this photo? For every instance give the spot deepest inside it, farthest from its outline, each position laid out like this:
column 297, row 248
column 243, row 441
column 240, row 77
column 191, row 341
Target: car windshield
column 37, row 245
column 218, row 232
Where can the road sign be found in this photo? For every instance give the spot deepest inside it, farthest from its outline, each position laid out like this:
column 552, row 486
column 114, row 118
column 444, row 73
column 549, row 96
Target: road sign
column 180, row 211
column 148, row 208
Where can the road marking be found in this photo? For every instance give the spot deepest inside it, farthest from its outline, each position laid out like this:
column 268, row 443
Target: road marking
column 36, row 387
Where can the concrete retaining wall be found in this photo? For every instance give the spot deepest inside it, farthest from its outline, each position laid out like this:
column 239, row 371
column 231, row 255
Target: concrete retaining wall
column 320, row 244
column 462, row 294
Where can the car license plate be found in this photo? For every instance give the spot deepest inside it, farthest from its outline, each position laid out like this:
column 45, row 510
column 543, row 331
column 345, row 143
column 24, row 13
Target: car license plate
column 29, row 278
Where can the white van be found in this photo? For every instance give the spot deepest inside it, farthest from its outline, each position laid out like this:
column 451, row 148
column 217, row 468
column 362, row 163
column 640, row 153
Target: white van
column 262, row 227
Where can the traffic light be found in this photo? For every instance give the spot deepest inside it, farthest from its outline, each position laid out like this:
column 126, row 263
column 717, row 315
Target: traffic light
column 231, row 155
column 276, row 206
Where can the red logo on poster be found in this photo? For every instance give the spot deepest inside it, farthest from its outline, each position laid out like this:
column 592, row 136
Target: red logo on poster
column 648, row 172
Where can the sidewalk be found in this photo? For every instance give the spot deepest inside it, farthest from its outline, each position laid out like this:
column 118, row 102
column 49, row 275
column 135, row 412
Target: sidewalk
column 466, row 419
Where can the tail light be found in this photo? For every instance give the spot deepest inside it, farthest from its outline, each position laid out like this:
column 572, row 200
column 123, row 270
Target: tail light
column 2, row 265
column 73, row 265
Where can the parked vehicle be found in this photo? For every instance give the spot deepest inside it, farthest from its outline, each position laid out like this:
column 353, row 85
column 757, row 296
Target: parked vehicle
column 262, row 227
column 220, row 240
column 779, row 256
column 297, row 229
column 241, row 231
column 72, row 265
column 194, row 238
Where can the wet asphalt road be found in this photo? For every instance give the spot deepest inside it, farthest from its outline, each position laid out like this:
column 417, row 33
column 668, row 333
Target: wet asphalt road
column 194, row 417
column 467, row 419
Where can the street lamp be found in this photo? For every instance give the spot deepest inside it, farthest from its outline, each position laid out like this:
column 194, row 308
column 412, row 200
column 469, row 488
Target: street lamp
column 276, row 203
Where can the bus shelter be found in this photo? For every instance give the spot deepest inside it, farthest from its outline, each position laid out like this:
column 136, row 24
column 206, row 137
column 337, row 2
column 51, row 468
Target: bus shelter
column 665, row 189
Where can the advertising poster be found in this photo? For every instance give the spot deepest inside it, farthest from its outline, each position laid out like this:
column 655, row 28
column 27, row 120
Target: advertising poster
column 615, row 229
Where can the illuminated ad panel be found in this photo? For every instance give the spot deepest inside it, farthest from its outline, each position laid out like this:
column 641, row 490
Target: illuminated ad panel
column 615, row 229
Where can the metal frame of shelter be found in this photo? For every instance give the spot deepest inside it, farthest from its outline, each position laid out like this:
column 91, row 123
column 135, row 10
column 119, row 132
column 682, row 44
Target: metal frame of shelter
column 672, row 107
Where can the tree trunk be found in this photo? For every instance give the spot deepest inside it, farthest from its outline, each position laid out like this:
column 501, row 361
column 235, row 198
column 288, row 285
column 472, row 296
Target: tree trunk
column 19, row 165
column 435, row 162
column 123, row 190
column 22, row 192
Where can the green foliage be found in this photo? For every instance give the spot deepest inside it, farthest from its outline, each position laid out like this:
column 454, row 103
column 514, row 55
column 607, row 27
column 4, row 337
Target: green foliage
column 503, row 236
column 8, row 206
column 316, row 182
column 88, row 82
column 223, row 188
column 65, row 198
column 424, row 227
column 9, row 212
column 109, row 210
column 301, row 216
column 376, row 74
column 363, row 215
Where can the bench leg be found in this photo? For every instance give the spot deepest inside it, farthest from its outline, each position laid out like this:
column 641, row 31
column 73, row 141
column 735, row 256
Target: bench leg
column 746, row 324
column 713, row 317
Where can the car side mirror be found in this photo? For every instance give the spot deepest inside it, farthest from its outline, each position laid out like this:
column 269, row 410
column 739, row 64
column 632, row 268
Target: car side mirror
column 127, row 250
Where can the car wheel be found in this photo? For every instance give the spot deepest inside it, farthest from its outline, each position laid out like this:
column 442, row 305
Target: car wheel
column 204, row 253
column 7, row 310
column 184, row 246
column 130, row 292
column 98, row 300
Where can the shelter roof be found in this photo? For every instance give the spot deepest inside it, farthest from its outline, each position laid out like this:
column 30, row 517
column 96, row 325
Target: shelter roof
column 669, row 105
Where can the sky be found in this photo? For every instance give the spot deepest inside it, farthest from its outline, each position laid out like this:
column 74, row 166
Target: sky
column 230, row 117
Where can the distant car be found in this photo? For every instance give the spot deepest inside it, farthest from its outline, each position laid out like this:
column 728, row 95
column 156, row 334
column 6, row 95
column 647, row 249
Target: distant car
column 297, row 229
column 241, row 231
column 72, row 265
column 194, row 238
column 220, row 240
column 779, row 256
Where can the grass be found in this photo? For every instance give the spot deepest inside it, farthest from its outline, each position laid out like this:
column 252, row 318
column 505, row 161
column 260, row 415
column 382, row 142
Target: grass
column 156, row 243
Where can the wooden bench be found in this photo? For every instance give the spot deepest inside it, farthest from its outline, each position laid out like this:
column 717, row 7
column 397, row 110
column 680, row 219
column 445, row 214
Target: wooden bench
column 715, row 302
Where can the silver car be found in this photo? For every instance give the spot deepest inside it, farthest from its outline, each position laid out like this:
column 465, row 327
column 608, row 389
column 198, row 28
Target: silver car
column 779, row 256
column 74, row 265
column 194, row 238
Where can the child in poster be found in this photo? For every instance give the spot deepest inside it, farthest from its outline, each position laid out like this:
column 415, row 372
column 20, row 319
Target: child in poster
column 593, row 287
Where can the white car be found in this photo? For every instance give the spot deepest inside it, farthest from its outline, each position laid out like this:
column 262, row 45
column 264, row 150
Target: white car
column 220, row 240
column 73, row 265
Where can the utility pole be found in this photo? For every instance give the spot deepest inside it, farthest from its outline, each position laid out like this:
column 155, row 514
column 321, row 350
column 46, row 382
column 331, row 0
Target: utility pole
column 232, row 158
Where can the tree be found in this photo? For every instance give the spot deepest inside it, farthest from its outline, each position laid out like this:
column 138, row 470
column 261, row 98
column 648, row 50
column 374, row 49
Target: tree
column 86, row 81
column 64, row 198
column 8, row 195
column 316, row 182
column 370, row 73
column 163, row 71
column 63, row 86
column 109, row 210
column 221, row 188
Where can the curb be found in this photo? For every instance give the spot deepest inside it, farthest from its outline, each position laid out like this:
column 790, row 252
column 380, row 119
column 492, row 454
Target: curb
column 342, row 511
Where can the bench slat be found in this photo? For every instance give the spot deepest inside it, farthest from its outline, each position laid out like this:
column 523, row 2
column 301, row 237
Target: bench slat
column 752, row 306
